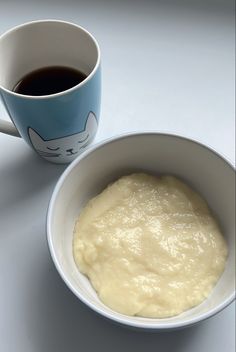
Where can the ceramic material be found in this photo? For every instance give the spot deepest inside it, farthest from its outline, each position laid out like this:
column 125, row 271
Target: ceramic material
column 57, row 126
column 206, row 171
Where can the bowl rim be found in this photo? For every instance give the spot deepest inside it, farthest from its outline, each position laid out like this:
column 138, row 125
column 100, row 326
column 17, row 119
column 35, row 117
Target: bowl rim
column 121, row 319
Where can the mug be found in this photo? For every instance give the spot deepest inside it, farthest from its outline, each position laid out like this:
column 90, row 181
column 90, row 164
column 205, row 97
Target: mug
column 58, row 126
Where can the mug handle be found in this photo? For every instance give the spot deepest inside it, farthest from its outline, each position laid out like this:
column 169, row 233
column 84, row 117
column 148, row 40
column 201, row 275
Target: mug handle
column 9, row 128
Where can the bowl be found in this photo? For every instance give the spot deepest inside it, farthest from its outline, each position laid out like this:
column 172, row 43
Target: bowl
column 200, row 166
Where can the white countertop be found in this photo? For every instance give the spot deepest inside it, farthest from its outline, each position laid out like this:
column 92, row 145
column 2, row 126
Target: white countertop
column 167, row 66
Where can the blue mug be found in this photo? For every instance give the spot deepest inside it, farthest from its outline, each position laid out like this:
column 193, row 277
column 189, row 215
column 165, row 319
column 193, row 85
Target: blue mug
column 58, row 126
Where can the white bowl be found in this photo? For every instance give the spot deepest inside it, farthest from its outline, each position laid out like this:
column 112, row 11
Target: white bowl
column 208, row 172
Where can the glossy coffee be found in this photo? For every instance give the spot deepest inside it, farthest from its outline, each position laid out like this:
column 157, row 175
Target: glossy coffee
column 49, row 80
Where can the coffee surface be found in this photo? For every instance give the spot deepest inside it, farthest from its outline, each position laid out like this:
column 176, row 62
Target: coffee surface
column 49, row 80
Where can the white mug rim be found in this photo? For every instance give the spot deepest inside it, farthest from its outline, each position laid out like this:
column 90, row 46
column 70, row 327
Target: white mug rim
column 50, row 96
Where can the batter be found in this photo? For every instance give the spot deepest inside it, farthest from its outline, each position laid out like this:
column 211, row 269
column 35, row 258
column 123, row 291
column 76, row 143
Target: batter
column 150, row 246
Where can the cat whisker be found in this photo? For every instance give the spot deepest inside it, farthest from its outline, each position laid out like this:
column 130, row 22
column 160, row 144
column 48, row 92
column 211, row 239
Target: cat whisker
column 84, row 139
column 84, row 146
column 50, row 156
column 47, row 154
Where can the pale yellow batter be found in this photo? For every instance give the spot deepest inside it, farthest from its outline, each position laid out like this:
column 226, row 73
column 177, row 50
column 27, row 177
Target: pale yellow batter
column 150, row 246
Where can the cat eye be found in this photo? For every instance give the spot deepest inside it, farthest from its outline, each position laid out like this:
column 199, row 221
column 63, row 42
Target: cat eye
column 84, row 139
column 53, row 148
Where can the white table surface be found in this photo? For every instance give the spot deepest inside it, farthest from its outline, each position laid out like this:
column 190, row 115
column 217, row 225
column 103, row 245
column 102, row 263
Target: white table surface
column 167, row 66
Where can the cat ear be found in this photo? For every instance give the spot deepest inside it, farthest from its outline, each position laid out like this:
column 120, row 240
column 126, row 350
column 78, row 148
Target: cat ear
column 34, row 136
column 91, row 122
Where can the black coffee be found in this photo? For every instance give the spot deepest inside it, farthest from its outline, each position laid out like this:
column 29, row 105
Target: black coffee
column 49, row 80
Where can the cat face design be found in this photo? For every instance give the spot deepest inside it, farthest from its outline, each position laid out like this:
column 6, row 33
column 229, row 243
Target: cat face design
column 64, row 149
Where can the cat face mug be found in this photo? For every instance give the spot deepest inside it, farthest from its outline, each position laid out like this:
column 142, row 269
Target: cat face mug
column 56, row 115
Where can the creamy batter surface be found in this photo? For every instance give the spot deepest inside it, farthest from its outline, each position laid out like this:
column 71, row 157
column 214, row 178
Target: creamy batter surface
column 150, row 246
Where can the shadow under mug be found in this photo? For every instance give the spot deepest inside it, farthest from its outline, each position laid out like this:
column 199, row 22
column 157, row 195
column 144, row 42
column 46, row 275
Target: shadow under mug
column 58, row 126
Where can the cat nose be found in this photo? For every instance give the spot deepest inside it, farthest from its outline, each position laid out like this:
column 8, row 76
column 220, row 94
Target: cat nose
column 69, row 150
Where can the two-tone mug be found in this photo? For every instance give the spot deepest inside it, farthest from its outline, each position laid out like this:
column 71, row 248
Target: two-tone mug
column 57, row 126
